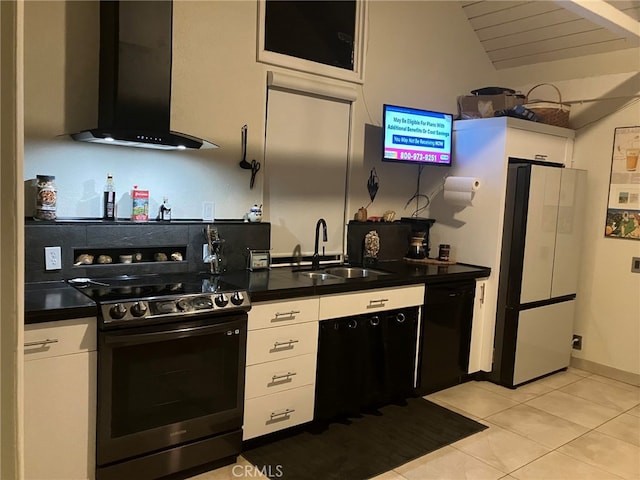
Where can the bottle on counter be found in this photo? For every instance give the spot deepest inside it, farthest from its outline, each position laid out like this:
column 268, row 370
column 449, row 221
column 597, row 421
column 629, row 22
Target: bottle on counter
column 165, row 211
column 46, row 197
column 109, row 201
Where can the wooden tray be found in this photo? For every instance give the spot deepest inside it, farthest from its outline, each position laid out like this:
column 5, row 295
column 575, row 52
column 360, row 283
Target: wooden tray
column 428, row 261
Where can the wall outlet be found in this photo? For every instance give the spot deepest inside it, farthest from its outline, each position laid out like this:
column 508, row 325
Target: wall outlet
column 52, row 258
column 635, row 265
column 576, row 343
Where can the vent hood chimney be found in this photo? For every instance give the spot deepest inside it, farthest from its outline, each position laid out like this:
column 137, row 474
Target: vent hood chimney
column 134, row 105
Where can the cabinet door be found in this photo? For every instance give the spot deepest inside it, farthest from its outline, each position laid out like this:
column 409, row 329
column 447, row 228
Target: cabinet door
column 279, row 375
column 59, row 417
column 278, row 411
column 51, row 339
column 281, row 313
column 479, row 312
column 281, row 342
column 370, row 301
column 538, row 146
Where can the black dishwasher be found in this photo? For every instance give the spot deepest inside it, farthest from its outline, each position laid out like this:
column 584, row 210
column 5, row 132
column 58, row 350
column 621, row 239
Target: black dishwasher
column 445, row 335
column 365, row 361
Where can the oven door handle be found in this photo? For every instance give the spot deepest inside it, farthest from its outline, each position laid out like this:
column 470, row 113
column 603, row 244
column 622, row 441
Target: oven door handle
column 230, row 328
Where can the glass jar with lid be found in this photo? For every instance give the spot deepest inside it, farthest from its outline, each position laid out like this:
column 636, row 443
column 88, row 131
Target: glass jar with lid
column 46, row 197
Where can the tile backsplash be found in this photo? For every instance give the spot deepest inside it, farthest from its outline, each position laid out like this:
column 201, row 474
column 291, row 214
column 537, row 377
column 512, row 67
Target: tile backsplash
column 113, row 239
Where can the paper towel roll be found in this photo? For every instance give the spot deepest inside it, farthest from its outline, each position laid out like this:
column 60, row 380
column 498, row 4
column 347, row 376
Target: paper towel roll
column 460, row 190
column 461, row 184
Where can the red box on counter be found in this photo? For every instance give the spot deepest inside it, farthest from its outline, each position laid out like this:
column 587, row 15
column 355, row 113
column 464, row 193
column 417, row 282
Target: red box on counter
column 140, row 200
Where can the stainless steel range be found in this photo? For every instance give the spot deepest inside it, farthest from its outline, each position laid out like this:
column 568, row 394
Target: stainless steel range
column 123, row 304
column 171, row 362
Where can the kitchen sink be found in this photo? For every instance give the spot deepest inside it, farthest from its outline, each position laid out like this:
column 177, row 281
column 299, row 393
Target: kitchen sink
column 353, row 272
column 319, row 275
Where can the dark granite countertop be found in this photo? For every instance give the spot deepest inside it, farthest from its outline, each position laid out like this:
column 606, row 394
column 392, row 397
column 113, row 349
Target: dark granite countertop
column 285, row 282
column 51, row 301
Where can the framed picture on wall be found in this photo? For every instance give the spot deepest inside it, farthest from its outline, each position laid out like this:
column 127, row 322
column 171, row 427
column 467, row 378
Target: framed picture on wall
column 623, row 210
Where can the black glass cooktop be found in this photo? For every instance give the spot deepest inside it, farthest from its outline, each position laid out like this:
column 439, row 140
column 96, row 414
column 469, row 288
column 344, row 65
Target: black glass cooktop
column 126, row 287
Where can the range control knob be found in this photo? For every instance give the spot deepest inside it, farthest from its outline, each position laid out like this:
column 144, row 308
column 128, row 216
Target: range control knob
column 221, row 300
column 138, row 309
column 118, row 311
column 237, row 298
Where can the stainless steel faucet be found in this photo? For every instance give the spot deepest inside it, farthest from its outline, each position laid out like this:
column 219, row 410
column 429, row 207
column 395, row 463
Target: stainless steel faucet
column 215, row 250
column 315, row 263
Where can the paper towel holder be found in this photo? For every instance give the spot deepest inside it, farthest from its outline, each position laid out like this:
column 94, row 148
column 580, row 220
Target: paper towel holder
column 460, row 191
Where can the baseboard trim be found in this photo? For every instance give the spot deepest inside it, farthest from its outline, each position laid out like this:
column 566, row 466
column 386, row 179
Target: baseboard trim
column 604, row 370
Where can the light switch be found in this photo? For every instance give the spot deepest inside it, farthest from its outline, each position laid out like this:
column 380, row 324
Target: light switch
column 52, row 258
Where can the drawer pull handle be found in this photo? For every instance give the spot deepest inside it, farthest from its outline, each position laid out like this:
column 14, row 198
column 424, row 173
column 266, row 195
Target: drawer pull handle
column 288, row 343
column 284, row 413
column 286, row 314
column 377, row 303
column 283, row 376
column 41, row 342
column 540, row 156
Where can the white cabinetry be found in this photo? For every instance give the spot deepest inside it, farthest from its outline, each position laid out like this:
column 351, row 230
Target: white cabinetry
column 370, row 301
column 282, row 346
column 482, row 149
column 479, row 312
column 60, row 399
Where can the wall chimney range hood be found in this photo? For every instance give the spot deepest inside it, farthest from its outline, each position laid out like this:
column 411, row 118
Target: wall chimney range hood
column 134, row 105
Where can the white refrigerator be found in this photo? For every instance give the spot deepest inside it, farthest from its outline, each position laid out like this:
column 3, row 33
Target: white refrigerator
column 538, row 271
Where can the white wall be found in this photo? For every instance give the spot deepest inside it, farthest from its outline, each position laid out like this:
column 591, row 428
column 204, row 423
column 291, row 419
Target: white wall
column 217, row 88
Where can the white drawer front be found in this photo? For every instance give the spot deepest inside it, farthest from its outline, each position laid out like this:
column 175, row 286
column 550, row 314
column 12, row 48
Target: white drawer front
column 270, row 413
column 50, row 339
column 281, row 342
column 369, row 301
column 279, row 313
column 285, row 374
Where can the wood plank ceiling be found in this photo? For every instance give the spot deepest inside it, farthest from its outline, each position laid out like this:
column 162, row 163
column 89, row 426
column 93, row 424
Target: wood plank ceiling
column 516, row 33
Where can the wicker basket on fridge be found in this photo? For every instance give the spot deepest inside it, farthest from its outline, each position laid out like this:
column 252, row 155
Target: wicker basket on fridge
column 549, row 111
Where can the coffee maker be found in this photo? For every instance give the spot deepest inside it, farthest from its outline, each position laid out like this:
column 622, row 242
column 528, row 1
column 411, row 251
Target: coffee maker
column 419, row 240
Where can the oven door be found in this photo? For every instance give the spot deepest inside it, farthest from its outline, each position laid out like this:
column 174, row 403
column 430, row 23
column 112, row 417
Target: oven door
column 165, row 385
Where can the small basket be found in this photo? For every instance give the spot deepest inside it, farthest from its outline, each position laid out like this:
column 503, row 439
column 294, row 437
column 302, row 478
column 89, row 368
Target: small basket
column 549, row 112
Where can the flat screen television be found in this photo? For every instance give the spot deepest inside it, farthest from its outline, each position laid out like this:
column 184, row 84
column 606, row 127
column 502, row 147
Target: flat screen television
column 412, row 135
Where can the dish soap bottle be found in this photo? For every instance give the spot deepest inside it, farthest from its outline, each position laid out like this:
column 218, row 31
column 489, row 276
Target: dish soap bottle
column 165, row 211
column 109, row 201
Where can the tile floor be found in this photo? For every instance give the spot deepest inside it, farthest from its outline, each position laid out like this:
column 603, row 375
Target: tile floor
column 573, row 425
